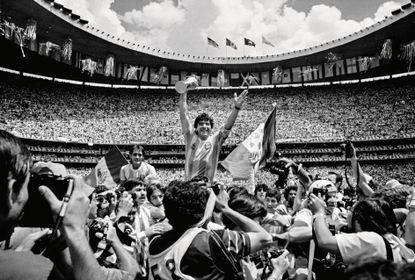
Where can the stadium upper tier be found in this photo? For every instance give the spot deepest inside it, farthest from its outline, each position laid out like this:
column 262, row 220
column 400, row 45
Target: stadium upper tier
column 47, row 110
column 56, row 23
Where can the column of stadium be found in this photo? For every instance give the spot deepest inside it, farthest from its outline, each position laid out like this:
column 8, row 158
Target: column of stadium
column 251, row 155
column 107, row 171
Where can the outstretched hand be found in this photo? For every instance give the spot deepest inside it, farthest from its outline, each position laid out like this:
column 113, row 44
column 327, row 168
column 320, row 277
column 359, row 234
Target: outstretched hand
column 239, row 100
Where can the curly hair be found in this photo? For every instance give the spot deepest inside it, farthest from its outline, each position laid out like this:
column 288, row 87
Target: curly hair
column 376, row 215
column 246, row 204
column 287, row 191
column 184, row 203
column 15, row 163
column 203, row 117
column 396, row 197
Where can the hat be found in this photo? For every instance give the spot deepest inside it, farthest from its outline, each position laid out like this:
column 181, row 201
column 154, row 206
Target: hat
column 50, row 168
column 321, row 184
column 391, row 184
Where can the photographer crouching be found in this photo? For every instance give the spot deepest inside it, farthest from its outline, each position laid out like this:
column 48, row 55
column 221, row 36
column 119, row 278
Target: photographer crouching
column 15, row 165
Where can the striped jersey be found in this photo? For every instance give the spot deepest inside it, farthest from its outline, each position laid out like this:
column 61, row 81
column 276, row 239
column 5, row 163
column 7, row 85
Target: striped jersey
column 202, row 155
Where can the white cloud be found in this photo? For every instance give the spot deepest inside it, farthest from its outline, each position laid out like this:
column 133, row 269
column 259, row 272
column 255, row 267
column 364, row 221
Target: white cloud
column 385, row 10
column 99, row 15
column 162, row 24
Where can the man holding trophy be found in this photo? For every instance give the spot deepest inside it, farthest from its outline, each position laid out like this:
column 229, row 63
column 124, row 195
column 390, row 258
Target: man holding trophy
column 203, row 147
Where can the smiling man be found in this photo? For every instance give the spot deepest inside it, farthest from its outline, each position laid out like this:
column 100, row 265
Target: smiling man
column 137, row 168
column 203, row 147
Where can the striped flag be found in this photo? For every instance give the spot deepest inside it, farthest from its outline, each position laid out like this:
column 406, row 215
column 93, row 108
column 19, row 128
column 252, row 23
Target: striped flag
column 252, row 153
column 107, row 171
column 212, row 43
column 231, row 44
column 249, row 42
column 266, row 42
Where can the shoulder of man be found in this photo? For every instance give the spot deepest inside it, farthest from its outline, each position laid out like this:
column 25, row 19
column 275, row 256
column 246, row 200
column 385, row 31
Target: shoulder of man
column 24, row 265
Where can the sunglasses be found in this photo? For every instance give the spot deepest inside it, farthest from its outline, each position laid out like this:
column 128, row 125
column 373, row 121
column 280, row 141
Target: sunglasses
column 101, row 199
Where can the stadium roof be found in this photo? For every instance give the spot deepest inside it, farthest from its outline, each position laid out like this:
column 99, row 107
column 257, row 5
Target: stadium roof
column 55, row 23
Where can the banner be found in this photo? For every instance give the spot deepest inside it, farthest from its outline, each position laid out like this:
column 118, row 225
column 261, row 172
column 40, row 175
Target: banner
column 266, row 42
column 252, row 153
column 231, row 44
column 107, row 171
column 249, row 42
column 212, row 43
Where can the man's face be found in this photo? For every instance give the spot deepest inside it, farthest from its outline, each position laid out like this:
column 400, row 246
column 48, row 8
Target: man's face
column 137, row 157
column 272, row 204
column 140, row 192
column 291, row 196
column 156, row 198
column 204, row 129
column 261, row 194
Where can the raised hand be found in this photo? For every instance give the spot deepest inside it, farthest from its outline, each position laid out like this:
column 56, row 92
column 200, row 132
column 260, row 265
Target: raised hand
column 239, row 100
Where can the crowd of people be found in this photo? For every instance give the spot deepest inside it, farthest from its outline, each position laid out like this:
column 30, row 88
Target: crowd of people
column 197, row 222
column 314, row 223
column 100, row 115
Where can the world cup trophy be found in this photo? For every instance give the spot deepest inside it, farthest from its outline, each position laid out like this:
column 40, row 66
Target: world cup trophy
column 190, row 83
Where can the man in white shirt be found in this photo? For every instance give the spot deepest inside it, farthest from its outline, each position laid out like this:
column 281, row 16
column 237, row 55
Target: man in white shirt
column 203, row 147
column 137, row 168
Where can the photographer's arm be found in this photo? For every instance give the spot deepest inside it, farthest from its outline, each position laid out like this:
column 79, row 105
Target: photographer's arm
column 297, row 170
column 359, row 175
column 125, row 260
column 238, row 102
column 410, row 222
column 258, row 236
column 85, row 266
column 324, row 237
column 297, row 200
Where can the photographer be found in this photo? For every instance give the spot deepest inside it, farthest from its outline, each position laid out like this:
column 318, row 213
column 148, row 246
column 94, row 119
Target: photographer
column 15, row 163
column 374, row 226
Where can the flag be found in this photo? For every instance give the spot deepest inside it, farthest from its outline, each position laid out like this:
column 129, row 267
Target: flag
column 266, row 42
column 107, row 171
column 249, row 42
column 212, row 43
column 231, row 44
column 253, row 152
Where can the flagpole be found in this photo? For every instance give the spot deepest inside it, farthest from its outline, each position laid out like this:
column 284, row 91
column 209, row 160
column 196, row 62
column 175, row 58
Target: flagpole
column 262, row 43
column 244, row 49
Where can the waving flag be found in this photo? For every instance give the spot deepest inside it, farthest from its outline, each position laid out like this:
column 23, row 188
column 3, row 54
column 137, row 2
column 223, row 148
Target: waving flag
column 231, row 44
column 212, row 43
column 253, row 152
column 249, row 42
column 107, row 171
column 266, row 42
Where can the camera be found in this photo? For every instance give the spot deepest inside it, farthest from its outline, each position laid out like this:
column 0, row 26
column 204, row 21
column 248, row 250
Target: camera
column 282, row 172
column 321, row 191
column 37, row 211
column 347, row 148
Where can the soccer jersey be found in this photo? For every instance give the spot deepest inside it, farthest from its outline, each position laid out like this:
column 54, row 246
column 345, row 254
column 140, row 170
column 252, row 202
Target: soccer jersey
column 202, row 155
column 195, row 255
column 128, row 172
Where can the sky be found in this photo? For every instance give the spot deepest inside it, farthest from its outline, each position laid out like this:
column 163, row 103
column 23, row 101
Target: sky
column 182, row 26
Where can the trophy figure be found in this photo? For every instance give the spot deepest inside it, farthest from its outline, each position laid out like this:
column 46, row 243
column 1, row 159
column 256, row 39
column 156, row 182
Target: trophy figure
column 190, row 83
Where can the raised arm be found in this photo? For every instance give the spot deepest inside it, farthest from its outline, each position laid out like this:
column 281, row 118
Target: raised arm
column 184, row 114
column 361, row 177
column 238, row 102
column 258, row 236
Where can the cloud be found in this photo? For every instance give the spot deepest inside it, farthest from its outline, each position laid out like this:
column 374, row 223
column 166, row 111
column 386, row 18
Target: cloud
column 385, row 10
column 99, row 14
column 184, row 27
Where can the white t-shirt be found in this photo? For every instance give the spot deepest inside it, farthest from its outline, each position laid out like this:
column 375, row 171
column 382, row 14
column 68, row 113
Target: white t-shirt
column 128, row 172
column 355, row 247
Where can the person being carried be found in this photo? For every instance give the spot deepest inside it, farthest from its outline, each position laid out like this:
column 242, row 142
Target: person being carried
column 137, row 168
column 203, row 147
